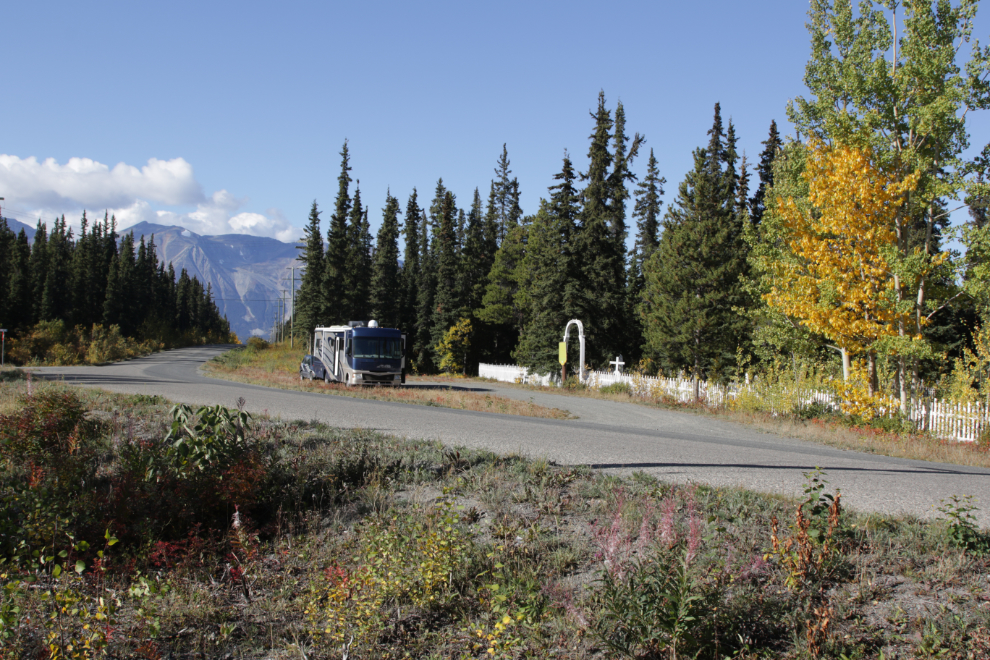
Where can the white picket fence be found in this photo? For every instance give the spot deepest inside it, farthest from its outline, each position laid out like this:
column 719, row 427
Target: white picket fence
column 964, row 422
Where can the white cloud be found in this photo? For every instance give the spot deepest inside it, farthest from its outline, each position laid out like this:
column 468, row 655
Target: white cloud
column 47, row 189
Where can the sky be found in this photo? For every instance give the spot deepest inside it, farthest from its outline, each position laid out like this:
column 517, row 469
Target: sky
column 229, row 117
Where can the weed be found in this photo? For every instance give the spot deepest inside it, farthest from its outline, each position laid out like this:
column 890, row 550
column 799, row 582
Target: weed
column 963, row 532
column 807, row 556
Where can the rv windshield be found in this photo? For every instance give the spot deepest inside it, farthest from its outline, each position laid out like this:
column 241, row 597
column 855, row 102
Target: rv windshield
column 377, row 348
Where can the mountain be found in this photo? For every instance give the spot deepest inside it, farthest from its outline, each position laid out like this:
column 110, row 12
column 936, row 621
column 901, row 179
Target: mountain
column 248, row 274
column 16, row 226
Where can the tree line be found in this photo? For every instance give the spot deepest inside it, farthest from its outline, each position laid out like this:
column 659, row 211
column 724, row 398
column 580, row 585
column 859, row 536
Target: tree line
column 101, row 278
column 519, row 278
column 736, row 271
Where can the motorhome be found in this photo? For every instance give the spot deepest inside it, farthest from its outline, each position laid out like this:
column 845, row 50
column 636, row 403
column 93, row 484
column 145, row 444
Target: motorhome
column 357, row 354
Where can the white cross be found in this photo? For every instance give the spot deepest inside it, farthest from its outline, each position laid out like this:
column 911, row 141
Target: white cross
column 618, row 363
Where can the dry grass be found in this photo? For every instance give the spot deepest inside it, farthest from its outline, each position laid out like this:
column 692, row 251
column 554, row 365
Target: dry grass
column 832, row 431
column 278, row 366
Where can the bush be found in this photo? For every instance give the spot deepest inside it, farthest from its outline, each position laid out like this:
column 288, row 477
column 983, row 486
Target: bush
column 572, row 383
column 617, row 388
column 257, row 344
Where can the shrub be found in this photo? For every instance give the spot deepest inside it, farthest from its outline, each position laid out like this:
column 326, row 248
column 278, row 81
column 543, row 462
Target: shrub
column 108, row 345
column 616, row 388
column 404, row 559
column 50, row 425
column 453, row 347
column 257, row 343
column 213, row 444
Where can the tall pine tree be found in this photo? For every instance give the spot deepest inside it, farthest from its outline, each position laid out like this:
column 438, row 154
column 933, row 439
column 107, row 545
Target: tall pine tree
column 772, row 146
column 309, row 297
column 694, row 285
column 335, row 305
column 385, row 283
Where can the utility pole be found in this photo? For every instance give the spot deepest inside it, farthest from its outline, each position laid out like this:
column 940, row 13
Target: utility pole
column 292, row 310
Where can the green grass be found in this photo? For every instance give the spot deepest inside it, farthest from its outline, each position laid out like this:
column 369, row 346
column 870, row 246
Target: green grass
column 396, row 548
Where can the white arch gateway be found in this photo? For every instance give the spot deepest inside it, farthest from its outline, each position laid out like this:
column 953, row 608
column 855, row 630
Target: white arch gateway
column 567, row 330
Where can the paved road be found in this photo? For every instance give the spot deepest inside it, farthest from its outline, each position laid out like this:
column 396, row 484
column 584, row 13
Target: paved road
column 612, row 436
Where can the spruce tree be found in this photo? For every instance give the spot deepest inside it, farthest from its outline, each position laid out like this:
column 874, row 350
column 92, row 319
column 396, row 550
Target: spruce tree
column 477, row 259
column 309, row 297
column 447, row 303
column 555, row 279
column 504, row 199
column 82, row 265
column 603, row 309
column 336, row 295
column 55, row 297
column 545, row 273
column 410, row 268
column 356, row 283
column 39, row 269
column 385, row 283
column 647, row 214
column 694, row 285
column 21, row 304
column 8, row 241
column 503, row 306
column 772, row 146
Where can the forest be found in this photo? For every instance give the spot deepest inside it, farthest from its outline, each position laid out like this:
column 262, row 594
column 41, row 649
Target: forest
column 97, row 297
column 829, row 253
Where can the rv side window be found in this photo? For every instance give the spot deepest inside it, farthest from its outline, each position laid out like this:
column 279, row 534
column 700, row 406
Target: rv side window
column 318, row 344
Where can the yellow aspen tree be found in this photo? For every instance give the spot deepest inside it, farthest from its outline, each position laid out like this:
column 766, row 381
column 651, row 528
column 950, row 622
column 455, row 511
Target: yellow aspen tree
column 840, row 279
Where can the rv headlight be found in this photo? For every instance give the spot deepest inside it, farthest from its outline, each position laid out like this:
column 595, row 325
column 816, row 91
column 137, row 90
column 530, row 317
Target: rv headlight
column 357, row 377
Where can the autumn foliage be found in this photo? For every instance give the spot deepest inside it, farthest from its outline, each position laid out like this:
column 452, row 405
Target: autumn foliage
column 840, row 281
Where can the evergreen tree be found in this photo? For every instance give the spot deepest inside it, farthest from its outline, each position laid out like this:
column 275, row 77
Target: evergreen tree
column 39, row 269
column 603, row 308
column 336, row 297
column 476, row 258
column 504, row 200
column 410, row 267
column 356, row 281
column 694, row 279
column 503, row 306
column 21, row 310
column 555, row 278
column 56, row 296
column 309, row 297
column 8, row 241
column 119, row 305
column 82, row 266
column 447, row 304
column 385, row 281
column 545, row 276
column 647, row 214
column 772, row 146
column 427, row 286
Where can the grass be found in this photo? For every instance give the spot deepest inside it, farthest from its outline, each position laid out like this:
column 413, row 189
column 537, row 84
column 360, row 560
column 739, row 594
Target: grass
column 358, row 544
column 278, row 366
column 833, row 430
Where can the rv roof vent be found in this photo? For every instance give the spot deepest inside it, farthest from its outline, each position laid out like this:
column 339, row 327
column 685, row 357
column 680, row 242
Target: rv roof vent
column 372, row 323
column 356, row 324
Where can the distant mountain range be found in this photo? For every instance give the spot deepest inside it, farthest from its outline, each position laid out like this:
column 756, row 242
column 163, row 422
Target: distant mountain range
column 248, row 273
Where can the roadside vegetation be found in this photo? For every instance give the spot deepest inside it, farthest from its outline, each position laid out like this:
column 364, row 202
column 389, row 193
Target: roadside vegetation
column 277, row 365
column 130, row 528
column 886, row 436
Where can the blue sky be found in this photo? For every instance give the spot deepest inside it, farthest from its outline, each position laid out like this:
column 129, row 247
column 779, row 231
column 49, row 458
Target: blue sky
column 230, row 116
